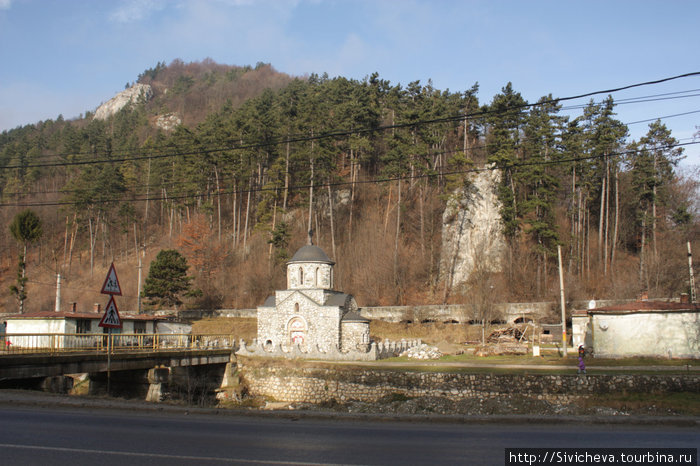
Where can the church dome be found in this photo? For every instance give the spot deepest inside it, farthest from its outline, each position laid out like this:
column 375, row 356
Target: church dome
column 310, row 253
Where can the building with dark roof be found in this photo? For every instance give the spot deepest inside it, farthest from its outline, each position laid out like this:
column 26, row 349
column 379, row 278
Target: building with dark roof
column 310, row 315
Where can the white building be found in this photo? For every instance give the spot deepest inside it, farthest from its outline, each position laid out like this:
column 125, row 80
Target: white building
column 642, row 328
column 72, row 329
column 309, row 313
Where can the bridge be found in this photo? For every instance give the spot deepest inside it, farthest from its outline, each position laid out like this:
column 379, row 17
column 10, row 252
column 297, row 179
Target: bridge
column 43, row 356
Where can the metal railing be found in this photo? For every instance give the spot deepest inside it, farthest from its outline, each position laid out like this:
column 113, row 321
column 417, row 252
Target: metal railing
column 53, row 343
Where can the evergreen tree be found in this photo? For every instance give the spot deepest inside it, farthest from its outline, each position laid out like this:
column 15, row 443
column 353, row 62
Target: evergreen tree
column 505, row 119
column 539, row 177
column 167, row 278
column 26, row 229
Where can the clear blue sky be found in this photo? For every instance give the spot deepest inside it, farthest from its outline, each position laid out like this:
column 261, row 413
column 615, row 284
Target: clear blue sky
column 66, row 57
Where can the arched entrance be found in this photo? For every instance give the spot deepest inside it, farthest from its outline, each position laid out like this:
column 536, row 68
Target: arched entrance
column 297, row 331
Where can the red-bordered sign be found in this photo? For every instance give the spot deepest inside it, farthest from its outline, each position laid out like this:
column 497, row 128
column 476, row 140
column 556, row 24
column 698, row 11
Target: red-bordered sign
column 111, row 284
column 111, row 318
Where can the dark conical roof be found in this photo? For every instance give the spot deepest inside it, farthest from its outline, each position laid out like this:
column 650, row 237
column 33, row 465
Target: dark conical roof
column 310, row 253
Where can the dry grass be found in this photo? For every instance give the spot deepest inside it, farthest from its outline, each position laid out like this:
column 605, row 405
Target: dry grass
column 241, row 327
column 432, row 333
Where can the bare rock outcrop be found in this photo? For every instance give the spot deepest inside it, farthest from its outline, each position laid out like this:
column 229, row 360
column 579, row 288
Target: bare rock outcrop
column 472, row 232
column 136, row 93
column 168, row 122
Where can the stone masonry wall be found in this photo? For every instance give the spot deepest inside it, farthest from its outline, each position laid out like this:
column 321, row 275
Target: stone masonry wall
column 319, row 385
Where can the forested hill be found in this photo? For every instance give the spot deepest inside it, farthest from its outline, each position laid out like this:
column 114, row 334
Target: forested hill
column 231, row 186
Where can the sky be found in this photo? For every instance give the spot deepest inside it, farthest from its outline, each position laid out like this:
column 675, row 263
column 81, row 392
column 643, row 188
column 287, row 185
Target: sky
column 67, row 57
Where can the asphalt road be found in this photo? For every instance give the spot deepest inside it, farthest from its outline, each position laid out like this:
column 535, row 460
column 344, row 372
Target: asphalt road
column 43, row 435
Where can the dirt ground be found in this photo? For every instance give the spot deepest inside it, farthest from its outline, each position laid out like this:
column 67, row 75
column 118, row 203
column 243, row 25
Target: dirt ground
column 449, row 338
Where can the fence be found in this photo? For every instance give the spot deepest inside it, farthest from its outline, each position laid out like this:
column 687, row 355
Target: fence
column 121, row 342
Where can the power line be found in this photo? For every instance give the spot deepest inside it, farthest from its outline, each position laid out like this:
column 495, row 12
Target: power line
column 348, row 183
column 164, row 184
column 663, row 117
column 141, row 153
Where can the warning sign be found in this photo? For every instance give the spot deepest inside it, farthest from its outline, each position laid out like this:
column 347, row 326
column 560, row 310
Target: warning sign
column 111, row 318
column 111, row 285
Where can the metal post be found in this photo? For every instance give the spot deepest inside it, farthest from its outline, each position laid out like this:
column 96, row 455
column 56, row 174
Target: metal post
column 563, row 302
column 109, row 359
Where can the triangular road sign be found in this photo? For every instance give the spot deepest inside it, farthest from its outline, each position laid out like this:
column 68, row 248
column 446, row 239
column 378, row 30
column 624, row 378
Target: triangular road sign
column 111, row 318
column 111, row 284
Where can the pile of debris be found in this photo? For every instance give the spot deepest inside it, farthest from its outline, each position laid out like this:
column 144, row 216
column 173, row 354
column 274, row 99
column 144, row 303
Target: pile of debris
column 506, row 335
column 422, row 351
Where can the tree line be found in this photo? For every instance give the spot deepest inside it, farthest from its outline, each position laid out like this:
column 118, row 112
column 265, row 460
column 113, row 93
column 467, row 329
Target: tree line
column 365, row 164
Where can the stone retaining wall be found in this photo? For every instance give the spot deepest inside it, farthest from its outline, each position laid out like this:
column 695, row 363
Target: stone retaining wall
column 321, row 385
column 431, row 312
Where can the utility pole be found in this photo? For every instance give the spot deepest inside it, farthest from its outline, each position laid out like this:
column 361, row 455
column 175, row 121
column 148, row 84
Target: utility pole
column 138, row 293
column 563, row 303
column 693, row 297
column 58, row 292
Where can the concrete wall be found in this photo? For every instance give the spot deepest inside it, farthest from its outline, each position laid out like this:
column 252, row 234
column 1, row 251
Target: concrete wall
column 36, row 326
column 435, row 312
column 655, row 334
column 33, row 326
column 319, row 385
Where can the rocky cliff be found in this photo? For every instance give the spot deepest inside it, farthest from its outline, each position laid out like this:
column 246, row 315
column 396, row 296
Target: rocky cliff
column 128, row 96
column 472, row 233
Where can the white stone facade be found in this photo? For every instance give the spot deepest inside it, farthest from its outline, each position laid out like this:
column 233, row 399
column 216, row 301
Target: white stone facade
column 309, row 317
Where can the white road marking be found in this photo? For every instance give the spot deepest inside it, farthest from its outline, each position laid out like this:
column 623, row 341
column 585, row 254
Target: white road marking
column 164, row 456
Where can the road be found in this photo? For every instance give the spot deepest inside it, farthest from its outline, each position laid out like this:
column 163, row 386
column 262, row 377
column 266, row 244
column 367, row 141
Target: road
column 35, row 435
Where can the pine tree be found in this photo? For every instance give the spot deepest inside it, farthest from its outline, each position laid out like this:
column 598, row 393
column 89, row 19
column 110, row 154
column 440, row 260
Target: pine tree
column 505, row 118
column 167, row 278
column 26, row 229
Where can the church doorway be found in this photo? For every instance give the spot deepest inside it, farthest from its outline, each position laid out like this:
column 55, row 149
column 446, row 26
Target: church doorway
column 297, row 331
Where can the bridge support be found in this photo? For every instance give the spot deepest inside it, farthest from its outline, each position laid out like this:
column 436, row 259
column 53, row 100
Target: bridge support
column 57, row 384
column 232, row 388
column 158, row 379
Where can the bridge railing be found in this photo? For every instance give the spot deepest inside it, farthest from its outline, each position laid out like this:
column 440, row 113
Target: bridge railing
column 120, row 342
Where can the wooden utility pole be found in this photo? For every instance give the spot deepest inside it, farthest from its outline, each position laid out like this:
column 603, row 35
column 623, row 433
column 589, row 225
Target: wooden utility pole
column 563, row 303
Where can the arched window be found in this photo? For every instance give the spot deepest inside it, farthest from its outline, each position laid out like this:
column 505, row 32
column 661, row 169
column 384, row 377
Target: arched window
column 296, row 307
column 316, row 278
column 301, row 276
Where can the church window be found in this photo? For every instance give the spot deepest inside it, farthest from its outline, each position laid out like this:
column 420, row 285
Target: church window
column 301, row 276
column 316, row 278
column 296, row 307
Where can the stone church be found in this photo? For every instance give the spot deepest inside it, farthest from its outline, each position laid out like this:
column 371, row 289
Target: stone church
column 309, row 314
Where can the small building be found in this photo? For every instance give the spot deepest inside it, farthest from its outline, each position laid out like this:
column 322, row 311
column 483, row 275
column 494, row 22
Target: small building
column 309, row 313
column 641, row 328
column 311, row 320
column 74, row 328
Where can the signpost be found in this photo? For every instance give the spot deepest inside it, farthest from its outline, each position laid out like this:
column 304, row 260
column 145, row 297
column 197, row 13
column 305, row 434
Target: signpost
column 111, row 317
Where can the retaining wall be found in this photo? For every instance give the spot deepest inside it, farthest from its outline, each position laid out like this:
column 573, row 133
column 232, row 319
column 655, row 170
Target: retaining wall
column 431, row 312
column 320, row 385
